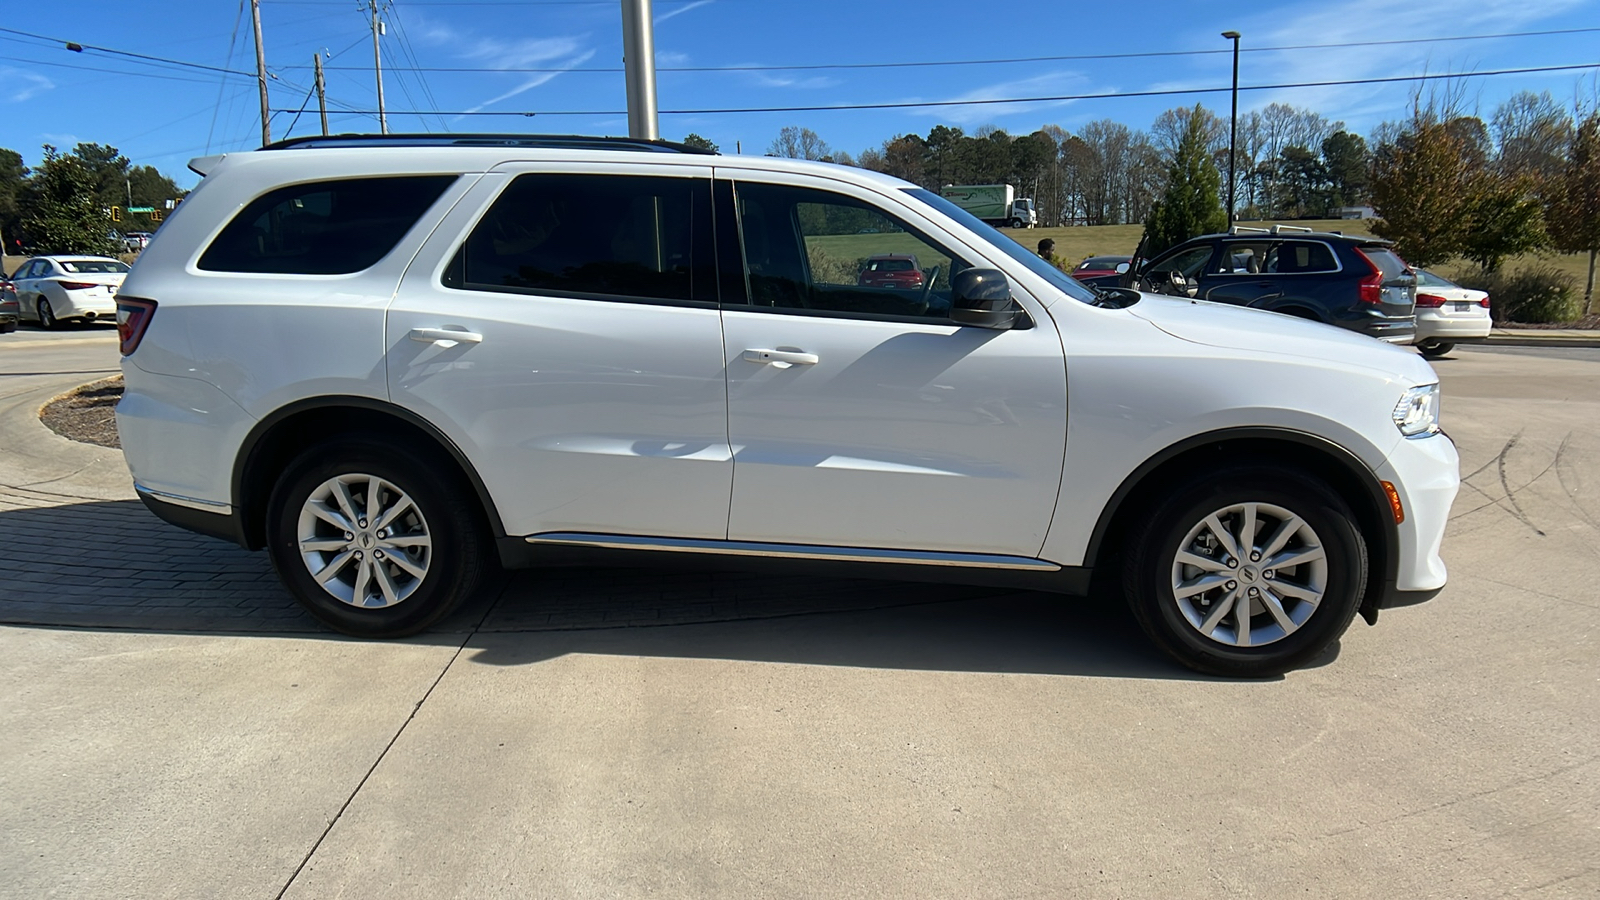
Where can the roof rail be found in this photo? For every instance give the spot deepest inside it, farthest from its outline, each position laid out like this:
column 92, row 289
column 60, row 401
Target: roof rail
column 1275, row 229
column 549, row 141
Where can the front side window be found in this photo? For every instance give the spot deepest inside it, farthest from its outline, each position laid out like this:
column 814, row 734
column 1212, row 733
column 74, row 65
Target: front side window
column 323, row 228
column 602, row 236
column 807, row 249
column 1185, row 262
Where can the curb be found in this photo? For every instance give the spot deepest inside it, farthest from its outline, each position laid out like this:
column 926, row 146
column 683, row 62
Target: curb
column 1540, row 340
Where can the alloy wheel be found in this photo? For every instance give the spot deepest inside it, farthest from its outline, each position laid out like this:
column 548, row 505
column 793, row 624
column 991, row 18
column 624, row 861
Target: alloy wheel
column 364, row 540
column 1249, row 574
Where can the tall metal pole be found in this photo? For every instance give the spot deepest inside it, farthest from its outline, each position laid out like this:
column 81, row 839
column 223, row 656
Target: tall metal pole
column 377, row 66
column 322, row 91
column 1233, row 128
column 639, row 63
column 261, row 70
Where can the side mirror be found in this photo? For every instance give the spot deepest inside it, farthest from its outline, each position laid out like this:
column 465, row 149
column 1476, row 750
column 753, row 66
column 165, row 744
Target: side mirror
column 1122, row 268
column 982, row 298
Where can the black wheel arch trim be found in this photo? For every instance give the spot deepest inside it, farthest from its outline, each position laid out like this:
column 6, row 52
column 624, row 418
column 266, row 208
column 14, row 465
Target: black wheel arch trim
column 1379, row 587
column 248, row 450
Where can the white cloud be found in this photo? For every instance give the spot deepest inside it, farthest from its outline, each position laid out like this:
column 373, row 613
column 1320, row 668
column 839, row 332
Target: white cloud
column 789, row 81
column 32, row 86
column 682, row 9
column 1047, row 84
column 536, row 80
column 1355, row 22
column 519, row 54
column 671, row 58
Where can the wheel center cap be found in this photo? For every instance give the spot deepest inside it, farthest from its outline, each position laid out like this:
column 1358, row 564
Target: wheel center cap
column 1250, row 573
column 366, row 540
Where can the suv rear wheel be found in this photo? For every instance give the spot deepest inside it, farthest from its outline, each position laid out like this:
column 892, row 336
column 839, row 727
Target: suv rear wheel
column 371, row 540
column 1247, row 572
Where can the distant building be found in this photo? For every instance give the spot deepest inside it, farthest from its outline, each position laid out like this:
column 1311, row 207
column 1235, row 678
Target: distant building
column 1357, row 212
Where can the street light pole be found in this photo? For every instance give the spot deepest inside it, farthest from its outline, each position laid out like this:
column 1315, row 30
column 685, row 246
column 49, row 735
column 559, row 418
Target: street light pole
column 639, row 63
column 1233, row 127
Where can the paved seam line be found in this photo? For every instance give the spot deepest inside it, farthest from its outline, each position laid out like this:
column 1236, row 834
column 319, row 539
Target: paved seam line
column 402, row 730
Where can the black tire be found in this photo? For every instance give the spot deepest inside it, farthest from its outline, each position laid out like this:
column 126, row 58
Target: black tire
column 455, row 563
column 1151, row 565
column 1016, row 223
column 1435, row 349
column 47, row 316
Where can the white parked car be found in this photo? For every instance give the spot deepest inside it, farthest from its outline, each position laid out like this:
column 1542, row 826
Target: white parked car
column 392, row 362
column 55, row 289
column 1448, row 314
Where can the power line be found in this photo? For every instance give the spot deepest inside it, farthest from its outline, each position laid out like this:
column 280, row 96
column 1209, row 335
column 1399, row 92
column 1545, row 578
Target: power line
column 127, row 53
column 945, row 103
column 1148, row 54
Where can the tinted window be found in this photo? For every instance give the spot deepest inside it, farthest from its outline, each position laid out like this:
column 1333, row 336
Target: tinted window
column 629, row 236
column 806, row 249
column 325, row 228
column 1291, row 257
column 1240, row 258
column 94, row 266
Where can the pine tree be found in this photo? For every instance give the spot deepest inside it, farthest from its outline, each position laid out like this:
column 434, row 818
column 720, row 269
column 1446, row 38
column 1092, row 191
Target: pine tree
column 1192, row 204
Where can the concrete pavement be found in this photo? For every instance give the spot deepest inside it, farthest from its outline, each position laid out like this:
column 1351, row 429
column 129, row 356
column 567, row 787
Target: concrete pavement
column 831, row 739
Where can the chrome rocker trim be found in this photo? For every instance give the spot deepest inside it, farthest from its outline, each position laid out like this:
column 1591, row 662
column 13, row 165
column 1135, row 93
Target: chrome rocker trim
column 210, row 506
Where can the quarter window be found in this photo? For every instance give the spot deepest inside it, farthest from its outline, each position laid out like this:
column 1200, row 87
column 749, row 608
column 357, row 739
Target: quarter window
column 806, row 249
column 603, row 236
column 323, row 228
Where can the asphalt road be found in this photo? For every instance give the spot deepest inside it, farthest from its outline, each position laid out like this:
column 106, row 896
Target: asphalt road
column 802, row 740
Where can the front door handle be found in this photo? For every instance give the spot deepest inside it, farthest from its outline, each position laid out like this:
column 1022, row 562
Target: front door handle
column 780, row 359
column 445, row 337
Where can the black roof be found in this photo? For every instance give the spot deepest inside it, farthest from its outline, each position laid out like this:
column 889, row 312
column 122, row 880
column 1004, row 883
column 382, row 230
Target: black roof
column 552, row 141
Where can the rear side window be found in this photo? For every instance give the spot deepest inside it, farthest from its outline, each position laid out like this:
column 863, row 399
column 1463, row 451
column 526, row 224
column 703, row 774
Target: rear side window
column 323, row 228
column 1292, row 257
column 637, row 237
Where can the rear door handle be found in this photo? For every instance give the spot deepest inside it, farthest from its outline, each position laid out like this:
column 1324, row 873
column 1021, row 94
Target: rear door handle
column 445, row 337
column 780, row 359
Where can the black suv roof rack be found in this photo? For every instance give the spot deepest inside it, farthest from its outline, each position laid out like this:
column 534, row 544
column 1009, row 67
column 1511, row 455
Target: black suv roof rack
column 551, row 141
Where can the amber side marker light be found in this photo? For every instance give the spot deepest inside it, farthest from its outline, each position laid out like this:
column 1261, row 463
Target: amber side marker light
column 1394, row 502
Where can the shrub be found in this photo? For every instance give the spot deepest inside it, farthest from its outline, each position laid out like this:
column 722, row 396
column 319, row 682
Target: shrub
column 1532, row 295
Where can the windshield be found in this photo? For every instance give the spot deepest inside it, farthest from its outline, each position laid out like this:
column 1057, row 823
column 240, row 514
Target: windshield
column 1057, row 278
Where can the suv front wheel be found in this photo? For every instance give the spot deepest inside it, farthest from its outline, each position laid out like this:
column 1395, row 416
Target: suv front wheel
column 371, row 540
column 1247, row 572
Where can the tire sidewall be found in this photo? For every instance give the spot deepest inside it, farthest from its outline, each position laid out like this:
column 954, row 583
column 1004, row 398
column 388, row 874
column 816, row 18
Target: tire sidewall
column 453, row 561
column 47, row 315
column 1151, row 572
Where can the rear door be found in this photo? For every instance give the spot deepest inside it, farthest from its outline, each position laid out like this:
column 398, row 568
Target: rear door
column 587, row 383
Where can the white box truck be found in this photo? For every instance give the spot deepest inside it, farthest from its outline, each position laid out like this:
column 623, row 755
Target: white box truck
column 996, row 204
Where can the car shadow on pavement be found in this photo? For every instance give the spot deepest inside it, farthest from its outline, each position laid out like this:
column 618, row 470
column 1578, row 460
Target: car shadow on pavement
column 111, row 565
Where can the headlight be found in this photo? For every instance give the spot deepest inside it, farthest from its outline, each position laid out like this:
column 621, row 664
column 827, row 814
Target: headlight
column 1417, row 413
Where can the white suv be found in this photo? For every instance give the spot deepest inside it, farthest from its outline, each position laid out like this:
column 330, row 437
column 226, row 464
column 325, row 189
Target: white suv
column 393, row 362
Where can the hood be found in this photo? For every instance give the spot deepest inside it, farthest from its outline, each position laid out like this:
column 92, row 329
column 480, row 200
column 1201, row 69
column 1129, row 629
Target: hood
column 1254, row 330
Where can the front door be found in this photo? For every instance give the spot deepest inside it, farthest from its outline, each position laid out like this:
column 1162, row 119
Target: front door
column 859, row 414
column 587, row 382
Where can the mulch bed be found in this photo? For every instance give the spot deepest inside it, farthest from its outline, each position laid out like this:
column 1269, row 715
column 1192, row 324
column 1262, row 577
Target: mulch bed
column 87, row 414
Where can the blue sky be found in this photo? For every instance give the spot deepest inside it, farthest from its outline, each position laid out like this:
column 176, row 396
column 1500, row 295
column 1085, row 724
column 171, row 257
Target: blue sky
column 163, row 116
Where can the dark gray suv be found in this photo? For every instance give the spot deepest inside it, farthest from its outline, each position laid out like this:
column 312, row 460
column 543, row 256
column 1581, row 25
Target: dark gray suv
column 1358, row 283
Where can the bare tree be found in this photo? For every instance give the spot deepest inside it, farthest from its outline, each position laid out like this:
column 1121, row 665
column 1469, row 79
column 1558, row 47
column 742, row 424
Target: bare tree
column 1532, row 135
column 798, row 143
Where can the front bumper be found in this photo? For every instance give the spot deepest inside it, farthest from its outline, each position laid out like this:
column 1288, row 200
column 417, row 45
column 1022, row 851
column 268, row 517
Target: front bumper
column 1426, row 472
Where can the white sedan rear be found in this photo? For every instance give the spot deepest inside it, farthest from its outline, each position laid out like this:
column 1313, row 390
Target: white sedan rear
column 1448, row 314
column 54, row 289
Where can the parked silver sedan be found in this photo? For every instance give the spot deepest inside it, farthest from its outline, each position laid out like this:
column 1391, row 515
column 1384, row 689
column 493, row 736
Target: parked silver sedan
column 1448, row 314
column 54, row 289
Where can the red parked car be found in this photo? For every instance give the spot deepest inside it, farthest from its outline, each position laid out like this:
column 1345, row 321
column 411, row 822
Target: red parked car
column 891, row 270
column 1101, row 266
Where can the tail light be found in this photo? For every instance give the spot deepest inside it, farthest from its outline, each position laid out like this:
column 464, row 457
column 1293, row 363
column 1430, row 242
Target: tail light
column 1370, row 288
column 1484, row 302
column 77, row 285
column 133, row 317
column 1429, row 301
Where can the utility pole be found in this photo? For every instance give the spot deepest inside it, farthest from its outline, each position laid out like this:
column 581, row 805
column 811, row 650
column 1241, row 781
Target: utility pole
column 377, row 64
column 639, row 64
column 322, row 91
column 261, row 71
column 1233, row 127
